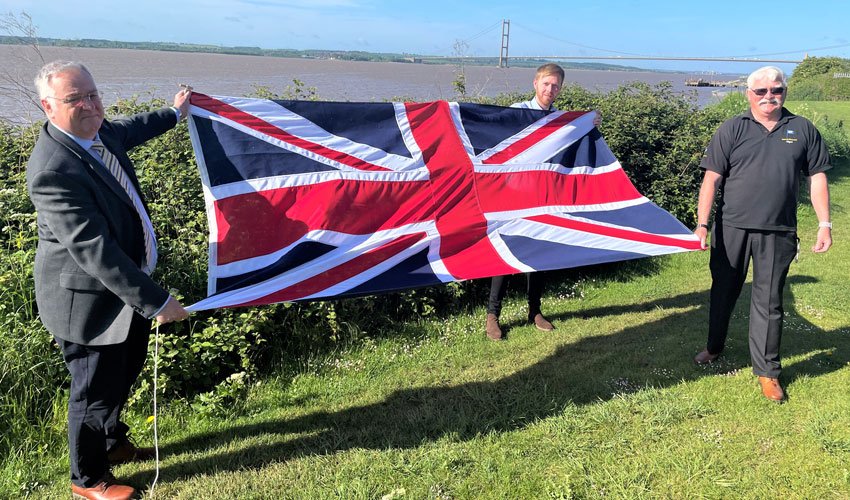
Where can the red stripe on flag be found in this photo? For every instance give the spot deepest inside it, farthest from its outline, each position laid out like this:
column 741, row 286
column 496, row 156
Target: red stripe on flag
column 464, row 245
column 613, row 232
column 533, row 138
column 538, row 188
column 284, row 215
column 237, row 115
column 338, row 274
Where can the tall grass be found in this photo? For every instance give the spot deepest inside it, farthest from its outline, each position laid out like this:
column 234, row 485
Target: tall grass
column 31, row 370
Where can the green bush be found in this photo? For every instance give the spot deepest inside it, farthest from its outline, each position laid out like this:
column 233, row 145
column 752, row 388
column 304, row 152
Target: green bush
column 813, row 80
column 733, row 104
column 838, row 89
column 810, row 89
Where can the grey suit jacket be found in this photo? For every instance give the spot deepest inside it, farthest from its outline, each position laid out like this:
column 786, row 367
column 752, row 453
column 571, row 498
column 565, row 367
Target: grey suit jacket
column 88, row 284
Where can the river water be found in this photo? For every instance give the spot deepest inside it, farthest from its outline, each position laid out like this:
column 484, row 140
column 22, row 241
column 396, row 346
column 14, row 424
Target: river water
column 121, row 73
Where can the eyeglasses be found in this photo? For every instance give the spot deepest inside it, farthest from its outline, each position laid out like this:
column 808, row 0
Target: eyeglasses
column 78, row 100
column 763, row 92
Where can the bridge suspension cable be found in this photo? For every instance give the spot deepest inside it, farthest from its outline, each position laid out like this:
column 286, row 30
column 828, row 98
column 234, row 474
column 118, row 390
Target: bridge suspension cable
column 634, row 56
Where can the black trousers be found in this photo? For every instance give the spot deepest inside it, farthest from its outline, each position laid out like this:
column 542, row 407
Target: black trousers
column 499, row 286
column 101, row 378
column 771, row 253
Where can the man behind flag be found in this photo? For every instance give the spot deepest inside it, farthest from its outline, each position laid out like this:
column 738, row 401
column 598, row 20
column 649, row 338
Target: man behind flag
column 548, row 81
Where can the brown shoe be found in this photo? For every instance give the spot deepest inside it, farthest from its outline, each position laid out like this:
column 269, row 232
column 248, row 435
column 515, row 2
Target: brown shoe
column 705, row 357
column 492, row 328
column 541, row 323
column 107, row 489
column 771, row 389
column 126, row 451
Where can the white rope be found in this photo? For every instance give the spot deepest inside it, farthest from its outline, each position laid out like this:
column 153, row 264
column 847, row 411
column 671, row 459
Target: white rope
column 155, row 433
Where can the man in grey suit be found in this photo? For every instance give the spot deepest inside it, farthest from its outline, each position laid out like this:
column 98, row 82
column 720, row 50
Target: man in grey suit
column 96, row 250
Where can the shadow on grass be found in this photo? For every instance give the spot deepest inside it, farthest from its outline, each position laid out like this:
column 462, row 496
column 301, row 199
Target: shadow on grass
column 657, row 354
column 388, row 316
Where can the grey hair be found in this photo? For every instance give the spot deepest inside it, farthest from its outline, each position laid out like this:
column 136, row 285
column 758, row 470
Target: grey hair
column 771, row 72
column 46, row 73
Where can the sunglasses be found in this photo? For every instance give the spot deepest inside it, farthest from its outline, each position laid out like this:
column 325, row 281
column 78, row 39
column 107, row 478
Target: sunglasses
column 763, row 92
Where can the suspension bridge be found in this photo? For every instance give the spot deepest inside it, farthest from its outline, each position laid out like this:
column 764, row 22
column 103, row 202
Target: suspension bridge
column 503, row 60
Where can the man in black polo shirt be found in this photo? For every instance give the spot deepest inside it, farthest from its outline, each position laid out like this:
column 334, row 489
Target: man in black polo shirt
column 757, row 159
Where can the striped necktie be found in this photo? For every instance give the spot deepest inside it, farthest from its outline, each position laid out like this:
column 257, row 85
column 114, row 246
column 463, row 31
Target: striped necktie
column 111, row 163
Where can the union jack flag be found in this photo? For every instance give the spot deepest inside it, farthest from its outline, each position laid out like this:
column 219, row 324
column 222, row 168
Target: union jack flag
column 313, row 200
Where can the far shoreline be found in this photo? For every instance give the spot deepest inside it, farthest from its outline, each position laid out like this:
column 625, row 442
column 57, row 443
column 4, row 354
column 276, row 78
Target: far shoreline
column 122, row 73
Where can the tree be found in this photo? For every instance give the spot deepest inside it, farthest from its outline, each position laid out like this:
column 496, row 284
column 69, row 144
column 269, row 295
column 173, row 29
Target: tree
column 16, row 86
column 459, row 83
column 815, row 66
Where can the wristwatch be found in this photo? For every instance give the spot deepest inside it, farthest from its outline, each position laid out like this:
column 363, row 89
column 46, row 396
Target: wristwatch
column 703, row 225
column 825, row 224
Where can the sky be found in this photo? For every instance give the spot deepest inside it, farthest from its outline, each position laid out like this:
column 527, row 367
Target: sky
column 748, row 30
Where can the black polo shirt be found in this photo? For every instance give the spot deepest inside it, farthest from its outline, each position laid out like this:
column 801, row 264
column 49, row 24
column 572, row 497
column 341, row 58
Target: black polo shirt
column 761, row 170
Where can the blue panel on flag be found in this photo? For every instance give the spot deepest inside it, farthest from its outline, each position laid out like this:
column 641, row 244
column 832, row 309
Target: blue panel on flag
column 586, row 153
column 415, row 271
column 549, row 255
column 300, row 254
column 374, row 124
column 487, row 126
column 233, row 156
column 647, row 217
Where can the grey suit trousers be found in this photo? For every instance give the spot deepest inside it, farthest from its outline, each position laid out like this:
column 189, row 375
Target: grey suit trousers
column 771, row 253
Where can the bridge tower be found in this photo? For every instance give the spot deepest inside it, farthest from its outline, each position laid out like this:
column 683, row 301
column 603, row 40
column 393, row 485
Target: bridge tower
column 503, row 53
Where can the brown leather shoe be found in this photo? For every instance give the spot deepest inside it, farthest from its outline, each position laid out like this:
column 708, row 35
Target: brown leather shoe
column 126, row 451
column 771, row 389
column 541, row 323
column 492, row 328
column 107, row 489
column 705, row 357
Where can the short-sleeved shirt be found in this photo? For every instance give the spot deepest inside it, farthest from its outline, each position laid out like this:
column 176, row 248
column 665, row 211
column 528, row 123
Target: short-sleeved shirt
column 532, row 104
column 761, row 170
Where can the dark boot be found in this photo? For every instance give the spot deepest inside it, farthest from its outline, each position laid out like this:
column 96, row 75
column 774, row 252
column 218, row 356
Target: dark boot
column 492, row 328
column 540, row 322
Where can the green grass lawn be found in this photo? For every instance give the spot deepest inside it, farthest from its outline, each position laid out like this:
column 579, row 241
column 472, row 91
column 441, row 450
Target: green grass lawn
column 839, row 110
column 609, row 405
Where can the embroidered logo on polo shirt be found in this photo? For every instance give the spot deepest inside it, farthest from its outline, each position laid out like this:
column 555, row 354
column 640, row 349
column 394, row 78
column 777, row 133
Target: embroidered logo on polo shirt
column 790, row 136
